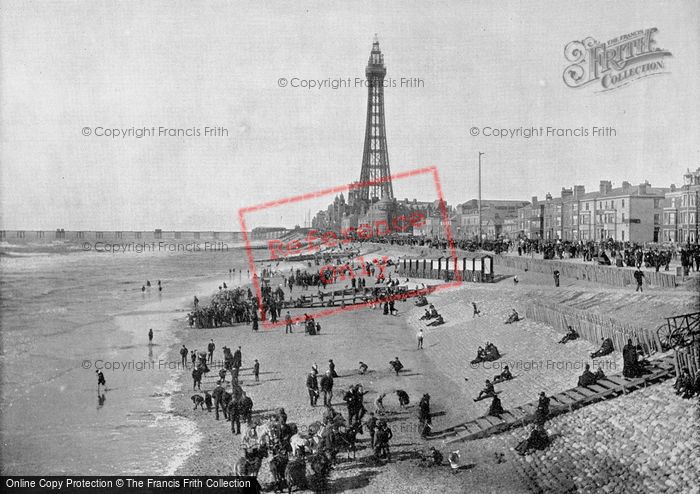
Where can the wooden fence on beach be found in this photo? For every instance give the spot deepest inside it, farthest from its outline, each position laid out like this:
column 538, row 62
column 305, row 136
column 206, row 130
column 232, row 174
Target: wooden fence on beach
column 593, row 326
column 609, row 275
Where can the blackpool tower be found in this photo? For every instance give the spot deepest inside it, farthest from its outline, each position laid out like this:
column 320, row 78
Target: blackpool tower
column 375, row 157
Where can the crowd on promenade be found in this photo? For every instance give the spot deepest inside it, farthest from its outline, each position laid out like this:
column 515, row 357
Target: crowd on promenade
column 608, row 252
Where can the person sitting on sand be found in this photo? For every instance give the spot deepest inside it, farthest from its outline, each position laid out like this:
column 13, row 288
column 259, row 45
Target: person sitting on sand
column 514, row 317
column 496, row 409
column 437, row 322
column 433, row 312
column 571, row 335
column 480, row 356
column 487, row 391
column 491, row 352
column 425, row 316
column 503, row 376
column 537, row 440
column 684, row 385
column 363, row 368
column 606, row 348
column 587, row 378
column 599, row 374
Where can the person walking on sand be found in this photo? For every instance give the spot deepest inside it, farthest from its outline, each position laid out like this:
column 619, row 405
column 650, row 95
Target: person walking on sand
column 184, row 353
column 288, row 323
column 477, row 312
column 210, row 348
column 419, row 337
column 150, row 336
column 100, row 379
column 237, row 359
column 256, row 370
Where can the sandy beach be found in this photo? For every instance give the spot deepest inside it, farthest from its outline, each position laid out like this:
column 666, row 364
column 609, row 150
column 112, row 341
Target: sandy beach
column 529, row 347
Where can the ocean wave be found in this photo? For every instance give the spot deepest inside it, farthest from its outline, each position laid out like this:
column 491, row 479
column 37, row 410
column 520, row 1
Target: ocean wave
column 185, row 428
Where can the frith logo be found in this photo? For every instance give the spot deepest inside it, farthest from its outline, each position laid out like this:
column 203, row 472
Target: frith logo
column 616, row 63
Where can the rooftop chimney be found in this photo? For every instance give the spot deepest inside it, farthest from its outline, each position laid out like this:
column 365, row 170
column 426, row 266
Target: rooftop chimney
column 566, row 193
column 534, row 200
column 605, row 186
column 673, row 187
column 548, row 196
column 642, row 190
column 579, row 190
column 625, row 186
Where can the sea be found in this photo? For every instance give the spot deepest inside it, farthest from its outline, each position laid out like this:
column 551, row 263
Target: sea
column 65, row 314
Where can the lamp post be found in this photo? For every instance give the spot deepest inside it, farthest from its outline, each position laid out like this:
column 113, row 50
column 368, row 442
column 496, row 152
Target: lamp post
column 479, row 203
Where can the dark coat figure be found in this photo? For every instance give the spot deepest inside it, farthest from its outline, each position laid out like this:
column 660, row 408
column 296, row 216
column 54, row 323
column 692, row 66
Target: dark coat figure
column 684, row 385
column 234, row 415
column 424, row 416
column 278, row 465
column 218, row 395
column 150, row 335
column 183, row 353
column 403, row 397
column 210, row 348
column 331, row 367
column 513, row 317
column 207, row 400
column 487, row 391
column 295, row 474
column 542, row 411
column 537, row 440
column 100, row 379
column 312, row 388
column 606, row 348
column 237, row 359
column 639, row 277
column 198, row 402
column 571, row 335
column 246, row 409
column 382, row 438
column 397, row 365
column 496, row 409
column 197, row 378
column 327, row 388
column 631, row 366
column 256, row 371
column 587, row 378
column 349, row 399
column 505, row 375
column 372, row 428
column 555, row 274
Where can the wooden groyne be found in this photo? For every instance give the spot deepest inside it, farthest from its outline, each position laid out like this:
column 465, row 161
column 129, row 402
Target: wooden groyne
column 566, row 401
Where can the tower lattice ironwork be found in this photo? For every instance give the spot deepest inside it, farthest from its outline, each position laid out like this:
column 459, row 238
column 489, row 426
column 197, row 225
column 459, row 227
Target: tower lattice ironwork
column 375, row 157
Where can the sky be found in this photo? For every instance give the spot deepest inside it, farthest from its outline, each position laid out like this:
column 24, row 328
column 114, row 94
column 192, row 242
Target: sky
column 74, row 67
